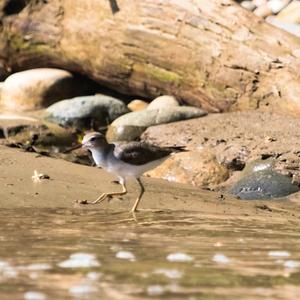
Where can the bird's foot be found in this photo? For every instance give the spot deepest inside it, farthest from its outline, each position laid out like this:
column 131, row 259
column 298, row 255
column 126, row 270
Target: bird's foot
column 102, row 197
column 99, row 199
column 81, row 202
column 85, row 202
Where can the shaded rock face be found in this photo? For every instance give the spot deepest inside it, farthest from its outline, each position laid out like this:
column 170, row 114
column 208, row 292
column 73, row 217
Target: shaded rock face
column 34, row 134
column 12, row 124
column 38, row 88
column 199, row 168
column 236, row 139
column 86, row 112
column 3, row 73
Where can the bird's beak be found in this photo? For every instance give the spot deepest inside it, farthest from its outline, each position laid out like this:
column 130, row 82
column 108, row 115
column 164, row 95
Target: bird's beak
column 73, row 148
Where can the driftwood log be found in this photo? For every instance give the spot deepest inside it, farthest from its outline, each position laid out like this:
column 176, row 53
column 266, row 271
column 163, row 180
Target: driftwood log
column 212, row 54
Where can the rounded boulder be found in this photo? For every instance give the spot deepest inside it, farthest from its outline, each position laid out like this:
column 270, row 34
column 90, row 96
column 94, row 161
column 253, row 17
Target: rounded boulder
column 38, row 88
column 81, row 112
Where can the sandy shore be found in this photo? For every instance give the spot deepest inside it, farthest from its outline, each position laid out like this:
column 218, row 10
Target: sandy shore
column 70, row 182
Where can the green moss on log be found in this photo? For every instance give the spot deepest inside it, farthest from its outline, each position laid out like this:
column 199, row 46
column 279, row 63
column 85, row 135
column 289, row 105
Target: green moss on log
column 19, row 44
column 158, row 74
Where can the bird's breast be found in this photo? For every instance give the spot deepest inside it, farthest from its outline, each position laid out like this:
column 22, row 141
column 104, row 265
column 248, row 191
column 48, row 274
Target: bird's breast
column 99, row 159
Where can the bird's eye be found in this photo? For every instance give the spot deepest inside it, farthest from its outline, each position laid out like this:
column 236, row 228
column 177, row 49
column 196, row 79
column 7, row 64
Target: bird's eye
column 93, row 139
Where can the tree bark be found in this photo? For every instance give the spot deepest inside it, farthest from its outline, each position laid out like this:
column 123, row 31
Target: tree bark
column 212, row 54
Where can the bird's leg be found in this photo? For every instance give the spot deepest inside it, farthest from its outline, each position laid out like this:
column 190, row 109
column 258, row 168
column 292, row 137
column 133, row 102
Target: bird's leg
column 105, row 195
column 134, row 208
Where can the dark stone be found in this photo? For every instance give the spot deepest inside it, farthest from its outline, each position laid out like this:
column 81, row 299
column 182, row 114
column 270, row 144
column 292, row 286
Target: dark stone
column 236, row 164
column 14, row 7
column 265, row 184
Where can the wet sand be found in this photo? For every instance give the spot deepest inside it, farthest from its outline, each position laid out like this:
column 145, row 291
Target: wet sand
column 193, row 244
column 70, row 182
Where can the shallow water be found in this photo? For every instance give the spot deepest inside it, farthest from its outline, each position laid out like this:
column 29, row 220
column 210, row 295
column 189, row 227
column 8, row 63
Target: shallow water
column 82, row 254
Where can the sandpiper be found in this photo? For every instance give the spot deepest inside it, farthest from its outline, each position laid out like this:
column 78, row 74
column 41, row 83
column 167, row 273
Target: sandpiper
column 125, row 160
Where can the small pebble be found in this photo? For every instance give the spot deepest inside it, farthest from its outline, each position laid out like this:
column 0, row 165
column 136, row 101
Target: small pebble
column 136, row 105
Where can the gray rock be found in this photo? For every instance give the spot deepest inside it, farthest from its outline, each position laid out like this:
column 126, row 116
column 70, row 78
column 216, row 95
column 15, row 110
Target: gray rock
column 163, row 102
column 130, row 126
column 38, row 88
column 146, row 118
column 260, row 181
column 81, row 112
column 124, row 133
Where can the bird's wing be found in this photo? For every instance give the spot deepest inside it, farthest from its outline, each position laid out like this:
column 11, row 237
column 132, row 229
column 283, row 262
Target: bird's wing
column 137, row 153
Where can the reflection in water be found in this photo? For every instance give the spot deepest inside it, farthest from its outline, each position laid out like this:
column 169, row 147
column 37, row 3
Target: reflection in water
column 74, row 254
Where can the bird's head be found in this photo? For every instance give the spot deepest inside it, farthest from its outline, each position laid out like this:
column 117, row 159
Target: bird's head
column 93, row 140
